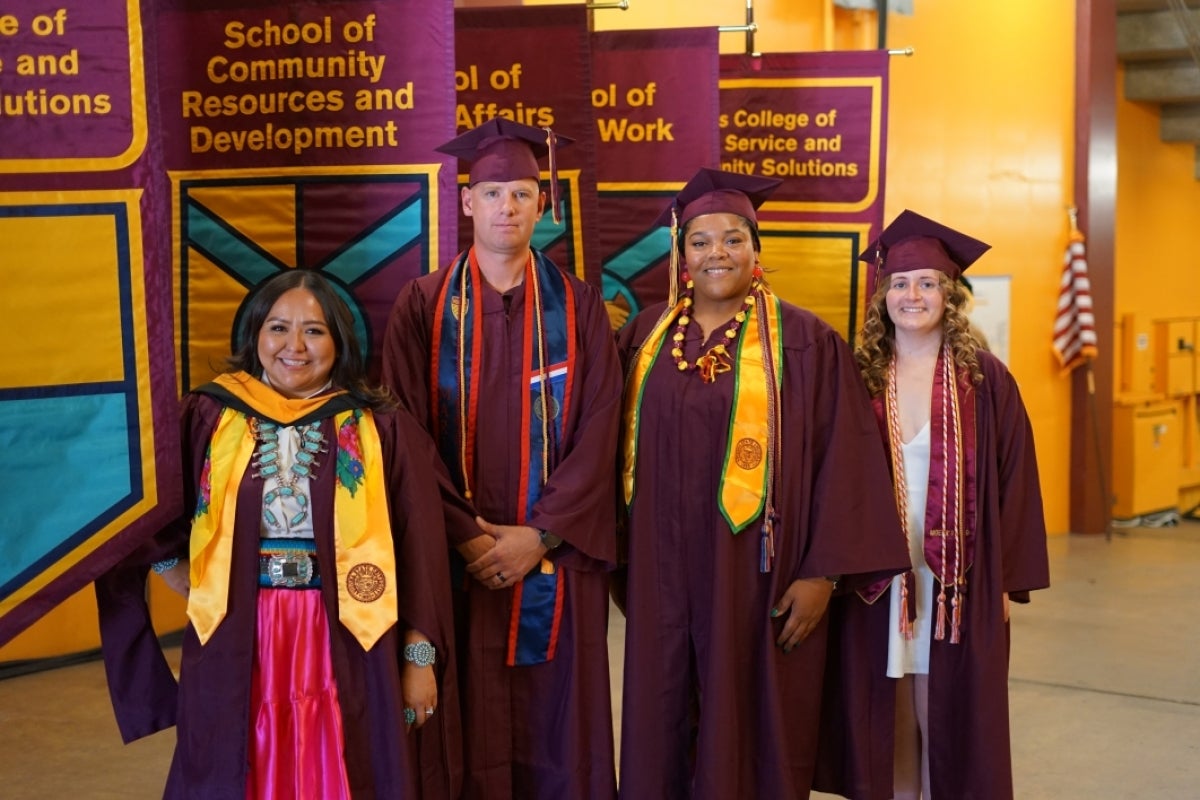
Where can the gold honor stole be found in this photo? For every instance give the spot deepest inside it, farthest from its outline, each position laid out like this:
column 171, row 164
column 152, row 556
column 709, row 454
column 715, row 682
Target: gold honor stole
column 365, row 559
column 745, row 475
column 548, row 369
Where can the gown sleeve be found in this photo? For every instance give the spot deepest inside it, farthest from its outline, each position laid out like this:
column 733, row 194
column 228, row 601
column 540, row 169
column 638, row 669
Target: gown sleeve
column 1022, row 521
column 141, row 684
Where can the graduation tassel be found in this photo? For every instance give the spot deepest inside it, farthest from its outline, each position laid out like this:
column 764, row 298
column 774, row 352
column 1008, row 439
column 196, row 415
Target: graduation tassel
column 959, row 582
column 767, row 556
column 956, row 617
column 673, row 278
column 551, row 142
column 906, row 625
column 767, row 559
column 940, row 633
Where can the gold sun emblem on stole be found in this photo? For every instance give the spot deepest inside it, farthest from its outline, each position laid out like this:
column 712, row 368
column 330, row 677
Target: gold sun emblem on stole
column 365, row 582
column 747, row 454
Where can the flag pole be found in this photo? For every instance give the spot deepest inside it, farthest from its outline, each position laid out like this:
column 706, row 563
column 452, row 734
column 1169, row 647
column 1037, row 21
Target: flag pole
column 1101, row 469
column 1088, row 356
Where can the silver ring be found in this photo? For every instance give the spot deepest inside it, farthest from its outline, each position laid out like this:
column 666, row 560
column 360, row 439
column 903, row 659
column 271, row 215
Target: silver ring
column 500, row 575
column 429, row 712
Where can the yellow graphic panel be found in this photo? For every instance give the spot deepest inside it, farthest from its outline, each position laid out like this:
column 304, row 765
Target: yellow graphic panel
column 66, row 329
column 816, row 267
column 213, row 296
column 250, row 202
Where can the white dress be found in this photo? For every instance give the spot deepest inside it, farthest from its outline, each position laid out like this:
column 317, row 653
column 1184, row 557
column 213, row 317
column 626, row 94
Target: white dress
column 911, row 656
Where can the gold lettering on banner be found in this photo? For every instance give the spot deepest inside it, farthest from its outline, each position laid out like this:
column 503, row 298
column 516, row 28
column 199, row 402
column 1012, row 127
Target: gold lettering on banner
column 48, row 56
column 273, row 70
column 627, row 101
column 784, row 144
column 504, row 79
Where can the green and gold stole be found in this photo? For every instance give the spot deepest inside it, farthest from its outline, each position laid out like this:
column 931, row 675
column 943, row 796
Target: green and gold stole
column 746, row 487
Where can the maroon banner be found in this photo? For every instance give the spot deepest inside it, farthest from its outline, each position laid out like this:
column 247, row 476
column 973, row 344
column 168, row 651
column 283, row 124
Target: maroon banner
column 818, row 121
column 656, row 101
column 533, row 66
column 69, row 99
column 302, row 135
column 88, row 405
column 228, row 139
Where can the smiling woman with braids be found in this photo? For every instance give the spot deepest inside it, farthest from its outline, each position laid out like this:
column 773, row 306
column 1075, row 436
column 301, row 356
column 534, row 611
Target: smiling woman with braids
column 751, row 468
column 311, row 556
column 933, row 643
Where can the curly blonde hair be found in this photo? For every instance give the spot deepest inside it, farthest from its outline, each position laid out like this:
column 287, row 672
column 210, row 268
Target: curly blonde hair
column 876, row 340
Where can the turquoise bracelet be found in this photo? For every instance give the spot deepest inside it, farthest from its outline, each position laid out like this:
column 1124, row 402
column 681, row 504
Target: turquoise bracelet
column 422, row 654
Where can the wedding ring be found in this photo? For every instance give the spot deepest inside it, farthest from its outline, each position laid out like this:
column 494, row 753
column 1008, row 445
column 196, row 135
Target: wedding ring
column 500, row 576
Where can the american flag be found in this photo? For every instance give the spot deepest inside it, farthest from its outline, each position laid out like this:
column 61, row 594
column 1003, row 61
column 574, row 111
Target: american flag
column 1074, row 323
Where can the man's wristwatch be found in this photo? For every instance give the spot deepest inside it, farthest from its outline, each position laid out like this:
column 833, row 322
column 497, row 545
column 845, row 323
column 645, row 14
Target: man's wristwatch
column 549, row 540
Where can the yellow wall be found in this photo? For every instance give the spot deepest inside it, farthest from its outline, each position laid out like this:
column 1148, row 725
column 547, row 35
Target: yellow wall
column 1158, row 207
column 981, row 137
column 1158, row 203
column 785, row 26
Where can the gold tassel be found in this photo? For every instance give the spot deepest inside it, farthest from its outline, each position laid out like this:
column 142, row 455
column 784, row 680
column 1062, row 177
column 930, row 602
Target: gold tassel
column 940, row 633
column 673, row 292
column 551, row 142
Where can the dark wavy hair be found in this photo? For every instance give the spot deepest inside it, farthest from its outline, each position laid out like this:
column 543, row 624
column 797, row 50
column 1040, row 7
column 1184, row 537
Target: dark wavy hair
column 876, row 340
column 349, row 367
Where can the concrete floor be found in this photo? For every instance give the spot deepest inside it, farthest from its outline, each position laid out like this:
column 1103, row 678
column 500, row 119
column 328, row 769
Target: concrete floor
column 1105, row 689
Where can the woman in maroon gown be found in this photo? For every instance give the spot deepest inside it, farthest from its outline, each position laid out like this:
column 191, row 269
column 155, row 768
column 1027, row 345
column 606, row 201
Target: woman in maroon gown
column 752, row 475
column 312, row 558
column 924, row 656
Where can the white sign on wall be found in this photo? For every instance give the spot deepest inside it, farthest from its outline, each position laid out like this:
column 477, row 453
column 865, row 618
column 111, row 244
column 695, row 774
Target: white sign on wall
column 992, row 312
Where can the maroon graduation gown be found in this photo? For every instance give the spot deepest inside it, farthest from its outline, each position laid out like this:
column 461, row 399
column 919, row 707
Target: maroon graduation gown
column 211, row 704
column 713, row 709
column 969, row 752
column 541, row 731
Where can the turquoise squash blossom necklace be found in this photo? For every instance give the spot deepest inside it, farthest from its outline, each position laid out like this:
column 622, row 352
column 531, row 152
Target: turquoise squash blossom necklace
column 268, row 463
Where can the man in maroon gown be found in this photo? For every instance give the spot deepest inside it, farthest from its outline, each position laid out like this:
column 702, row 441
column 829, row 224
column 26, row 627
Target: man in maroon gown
column 510, row 363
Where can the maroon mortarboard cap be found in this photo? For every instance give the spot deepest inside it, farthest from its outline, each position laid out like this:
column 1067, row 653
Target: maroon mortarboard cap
column 502, row 150
column 714, row 191
column 915, row 242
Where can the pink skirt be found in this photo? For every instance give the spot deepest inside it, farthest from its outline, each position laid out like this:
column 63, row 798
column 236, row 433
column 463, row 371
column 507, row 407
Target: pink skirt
column 296, row 747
